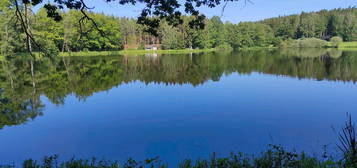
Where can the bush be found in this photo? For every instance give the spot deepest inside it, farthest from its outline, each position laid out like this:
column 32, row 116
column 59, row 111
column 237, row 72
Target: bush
column 276, row 41
column 224, row 47
column 303, row 43
column 141, row 46
column 336, row 41
column 312, row 43
column 48, row 48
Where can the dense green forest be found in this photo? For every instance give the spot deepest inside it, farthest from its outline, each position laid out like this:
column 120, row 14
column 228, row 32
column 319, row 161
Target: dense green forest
column 118, row 33
column 323, row 25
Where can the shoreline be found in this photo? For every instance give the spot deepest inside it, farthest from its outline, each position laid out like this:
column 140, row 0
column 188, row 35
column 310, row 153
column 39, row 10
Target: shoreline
column 179, row 51
column 120, row 52
column 132, row 52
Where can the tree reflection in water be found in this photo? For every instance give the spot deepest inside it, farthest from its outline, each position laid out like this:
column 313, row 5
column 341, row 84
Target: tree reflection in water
column 20, row 89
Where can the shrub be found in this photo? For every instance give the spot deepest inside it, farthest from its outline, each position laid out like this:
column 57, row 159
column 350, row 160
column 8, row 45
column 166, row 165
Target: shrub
column 85, row 50
column 48, row 48
column 312, row 43
column 336, row 41
column 285, row 43
column 276, row 41
column 303, row 43
column 224, row 47
column 141, row 46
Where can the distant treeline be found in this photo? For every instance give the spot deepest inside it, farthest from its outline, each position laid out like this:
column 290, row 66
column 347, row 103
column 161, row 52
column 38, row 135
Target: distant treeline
column 115, row 33
column 323, row 24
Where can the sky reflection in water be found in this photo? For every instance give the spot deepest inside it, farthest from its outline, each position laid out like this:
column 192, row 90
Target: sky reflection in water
column 178, row 106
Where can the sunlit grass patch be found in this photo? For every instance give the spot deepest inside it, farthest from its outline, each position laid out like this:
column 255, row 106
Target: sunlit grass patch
column 348, row 49
column 346, row 46
column 352, row 44
column 89, row 53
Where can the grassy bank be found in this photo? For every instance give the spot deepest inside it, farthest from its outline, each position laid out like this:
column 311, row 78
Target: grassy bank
column 352, row 44
column 348, row 49
column 133, row 52
column 275, row 157
column 348, row 46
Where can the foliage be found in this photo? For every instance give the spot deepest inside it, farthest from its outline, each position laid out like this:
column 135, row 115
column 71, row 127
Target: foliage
column 224, row 47
column 276, row 157
column 348, row 143
column 10, row 40
column 323, row 24
column 141, row 46
column 251, row 35
column 133, row 52
column 311, row 43
column 151, row 15
column 49, row 47
column 67, row 35
column 304, row 43
column 336, row 41
column 170, row 37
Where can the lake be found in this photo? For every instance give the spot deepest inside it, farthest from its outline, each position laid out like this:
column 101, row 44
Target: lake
column 175, row 106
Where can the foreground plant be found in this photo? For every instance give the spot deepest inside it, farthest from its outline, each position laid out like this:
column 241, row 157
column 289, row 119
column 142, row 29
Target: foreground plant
column 348, row 143
column 275, row 157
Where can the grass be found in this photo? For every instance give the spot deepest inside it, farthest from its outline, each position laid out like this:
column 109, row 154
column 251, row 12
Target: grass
column 352, row 44
column 89, row 53
column 133, row 52
column 346, row 46
column 348, row 49
column 2, row 58
column 275, row 157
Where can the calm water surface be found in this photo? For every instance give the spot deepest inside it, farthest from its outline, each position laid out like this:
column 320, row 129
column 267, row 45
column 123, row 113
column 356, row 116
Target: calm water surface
column 175, row 106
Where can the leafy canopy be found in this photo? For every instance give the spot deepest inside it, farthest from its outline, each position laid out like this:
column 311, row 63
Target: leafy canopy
column 153, row 12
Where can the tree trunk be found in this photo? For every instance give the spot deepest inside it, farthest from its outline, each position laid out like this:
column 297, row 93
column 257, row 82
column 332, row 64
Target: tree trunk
column 27, row 20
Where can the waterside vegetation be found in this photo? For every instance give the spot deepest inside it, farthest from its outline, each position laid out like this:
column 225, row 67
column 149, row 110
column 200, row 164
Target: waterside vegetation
column 134, row 52
column 302, row 30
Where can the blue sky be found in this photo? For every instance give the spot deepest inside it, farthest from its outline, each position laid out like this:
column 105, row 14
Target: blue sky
column 236, row 11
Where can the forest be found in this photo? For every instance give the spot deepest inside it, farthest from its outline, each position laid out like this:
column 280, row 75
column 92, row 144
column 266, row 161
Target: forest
column 117, row 33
